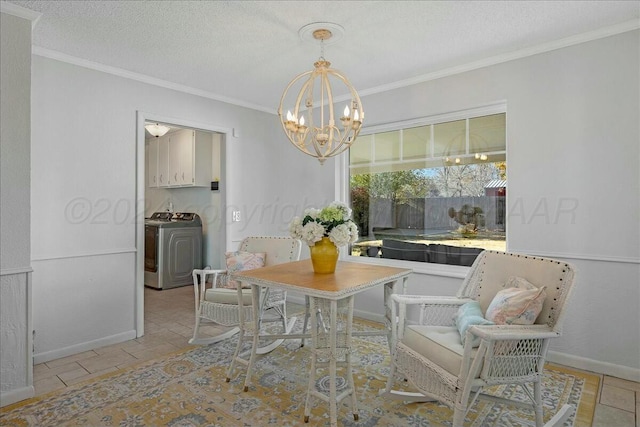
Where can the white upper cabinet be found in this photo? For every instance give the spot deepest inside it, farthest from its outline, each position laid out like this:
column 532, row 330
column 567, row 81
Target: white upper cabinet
column 152, row 165
column 163, row 161
column 184, row 159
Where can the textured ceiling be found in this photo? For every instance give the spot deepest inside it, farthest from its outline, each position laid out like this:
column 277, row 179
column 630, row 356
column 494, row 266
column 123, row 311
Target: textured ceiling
column 247, row 51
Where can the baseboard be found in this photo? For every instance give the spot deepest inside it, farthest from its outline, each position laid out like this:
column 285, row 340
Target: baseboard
column 367, row 315
column 85, row 346
column 606, row 368
column 13, row 396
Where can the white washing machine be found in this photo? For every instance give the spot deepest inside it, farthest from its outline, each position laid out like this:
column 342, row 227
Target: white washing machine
column 172, row 249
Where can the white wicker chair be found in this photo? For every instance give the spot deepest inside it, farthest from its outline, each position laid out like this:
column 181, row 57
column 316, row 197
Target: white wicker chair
column 221, row 306
column 430, row 354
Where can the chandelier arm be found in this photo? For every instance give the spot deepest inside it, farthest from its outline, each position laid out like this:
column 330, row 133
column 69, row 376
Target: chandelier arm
column 342, row 145
column 291, row 83
column 301, row 94
column 292, row 134
column 324, row 85
column 331, row 124
column 307, row 90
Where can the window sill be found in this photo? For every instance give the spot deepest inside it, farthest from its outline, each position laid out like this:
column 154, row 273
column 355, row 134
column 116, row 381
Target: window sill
column 431, row 269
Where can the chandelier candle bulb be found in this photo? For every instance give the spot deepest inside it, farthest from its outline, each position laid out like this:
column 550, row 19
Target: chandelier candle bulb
column 301, row 128
column 356, row 120
column 290, row 123
column 345, row 119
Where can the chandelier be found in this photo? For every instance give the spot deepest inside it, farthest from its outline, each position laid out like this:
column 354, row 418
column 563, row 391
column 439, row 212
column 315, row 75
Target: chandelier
column 310, row 122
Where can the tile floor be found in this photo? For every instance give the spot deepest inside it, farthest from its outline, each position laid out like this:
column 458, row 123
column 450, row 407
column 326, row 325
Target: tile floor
column 169, row 325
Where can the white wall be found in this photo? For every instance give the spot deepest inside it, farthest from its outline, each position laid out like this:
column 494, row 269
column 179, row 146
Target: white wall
column 573, row 180
column 84, row 194
column 16, row 374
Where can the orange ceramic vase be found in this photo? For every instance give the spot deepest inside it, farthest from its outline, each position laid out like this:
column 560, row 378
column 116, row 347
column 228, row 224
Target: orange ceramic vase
column 324, row 256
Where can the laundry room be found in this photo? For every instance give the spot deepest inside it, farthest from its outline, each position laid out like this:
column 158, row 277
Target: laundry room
column 184, row 221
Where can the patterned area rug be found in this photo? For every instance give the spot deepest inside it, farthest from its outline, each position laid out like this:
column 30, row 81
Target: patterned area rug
column 189, row 389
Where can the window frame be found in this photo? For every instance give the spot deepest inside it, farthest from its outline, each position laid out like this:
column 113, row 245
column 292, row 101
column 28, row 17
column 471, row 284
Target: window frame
column 343, row 191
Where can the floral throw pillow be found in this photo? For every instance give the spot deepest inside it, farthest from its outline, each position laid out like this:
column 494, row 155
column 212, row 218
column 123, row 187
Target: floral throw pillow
column 242, row 261
column 519, row 303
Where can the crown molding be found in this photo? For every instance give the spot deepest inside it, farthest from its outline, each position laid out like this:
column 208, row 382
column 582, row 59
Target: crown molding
column 63, row 57
column 600, row 33
column 20, row 12
column 623, row 27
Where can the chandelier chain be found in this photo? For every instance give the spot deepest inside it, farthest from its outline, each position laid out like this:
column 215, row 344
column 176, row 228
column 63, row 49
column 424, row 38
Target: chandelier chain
column 322, row 50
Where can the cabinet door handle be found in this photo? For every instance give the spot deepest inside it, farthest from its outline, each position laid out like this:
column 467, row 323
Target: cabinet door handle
column 161, row 178
column 175, row 177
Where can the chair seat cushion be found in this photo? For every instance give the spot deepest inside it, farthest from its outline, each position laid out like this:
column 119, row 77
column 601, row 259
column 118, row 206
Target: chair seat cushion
column 440, row 344
column 227, row 296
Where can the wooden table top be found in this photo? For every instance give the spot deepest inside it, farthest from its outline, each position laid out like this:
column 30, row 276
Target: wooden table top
column 349, row 278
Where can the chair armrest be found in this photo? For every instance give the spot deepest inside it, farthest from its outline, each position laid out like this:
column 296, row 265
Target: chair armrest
column 512, row 332
column 428, row 300
column 200, row 282
column 434, row 310
column 502, row 352
column 216, row 273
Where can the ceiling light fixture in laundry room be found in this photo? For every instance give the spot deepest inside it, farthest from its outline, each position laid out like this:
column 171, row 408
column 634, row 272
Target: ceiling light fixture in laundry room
column 156, row 129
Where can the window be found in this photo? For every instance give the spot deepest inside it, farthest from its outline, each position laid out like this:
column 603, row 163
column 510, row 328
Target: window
column 431, row 190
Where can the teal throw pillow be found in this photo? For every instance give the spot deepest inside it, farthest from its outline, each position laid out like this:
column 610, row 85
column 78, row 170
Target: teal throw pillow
column 470, row 314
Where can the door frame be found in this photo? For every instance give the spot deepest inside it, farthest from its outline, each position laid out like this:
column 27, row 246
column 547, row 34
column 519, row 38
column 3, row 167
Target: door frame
column 141, row 170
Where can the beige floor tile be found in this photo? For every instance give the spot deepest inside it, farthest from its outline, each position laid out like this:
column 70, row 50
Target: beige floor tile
column 127, row 346
column 105, row 361
column 606, row 416
column 182, row 330
column 156, row 351
column 72, row 358
column 69, row 376
column 620, row 383
column 154, row 339
column 91, row 376
column 618, row 398
column 45, row 385
column 637, row 409
column 152, row 327
column 180, row 341
column 42, row 371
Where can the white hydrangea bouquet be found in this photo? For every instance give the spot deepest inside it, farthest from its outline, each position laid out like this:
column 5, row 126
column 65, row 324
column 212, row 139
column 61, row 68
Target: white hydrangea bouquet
column 333, row 221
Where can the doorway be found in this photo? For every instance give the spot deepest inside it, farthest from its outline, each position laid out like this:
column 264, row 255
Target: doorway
column 208, row 201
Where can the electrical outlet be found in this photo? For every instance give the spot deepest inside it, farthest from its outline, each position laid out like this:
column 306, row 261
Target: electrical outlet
column 235, row 216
